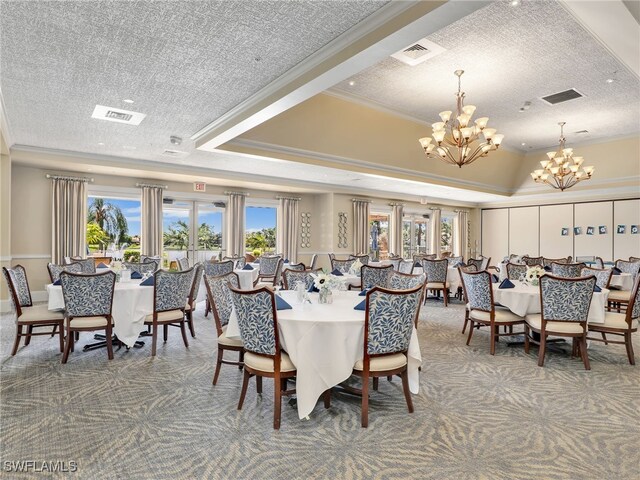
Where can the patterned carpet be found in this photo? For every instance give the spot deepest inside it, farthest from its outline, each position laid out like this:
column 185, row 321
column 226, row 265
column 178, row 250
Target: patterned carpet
column 476, row 417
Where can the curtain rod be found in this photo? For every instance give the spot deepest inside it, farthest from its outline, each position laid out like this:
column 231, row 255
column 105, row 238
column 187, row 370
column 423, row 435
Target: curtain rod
column 64, row 177
column 151, row 185
column 435, row 208
column 461, row 211
column 288, row 198
column 360, row 200
column 244, row 194
column 394, row 204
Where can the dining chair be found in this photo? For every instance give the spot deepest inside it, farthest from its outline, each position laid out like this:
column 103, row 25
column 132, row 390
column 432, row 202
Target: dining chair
column 190, row 307
column 631, row 268
column 482, row 309
column 363, row 257
column 405, row 281
column 343, row 266
column 620, row 324
column 238, row 261
column 314, row 261
column 390, row 316
column 170, row 289
column 567, row 270
column 183, row 263
column 564, row 303
column 476, row 262
column 55, row 270
column 216, row 269
column 531, row 261
column 455, row 261
column 29, row 315
column 258, row 324
column 546, row 262
column 88, row 300
column 146, row 268
column 515, row 271
column 87, row 265
column 620, row 299
column 221, row 303
column 599, row 262
column 290, row 278
column 395, row 263
column 603, row 276
column 294, row 266
column 270, row 271
column 405, row 266
column 375, row 276
column 436, row 277
column 634, row 259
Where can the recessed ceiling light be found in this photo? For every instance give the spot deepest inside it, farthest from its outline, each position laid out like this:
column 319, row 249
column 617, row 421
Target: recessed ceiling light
column 515, row 3
column 127, row 100
column 352, row 83
column 610, row 80
column 523, row 144
column 128, row 147
column 101, row 144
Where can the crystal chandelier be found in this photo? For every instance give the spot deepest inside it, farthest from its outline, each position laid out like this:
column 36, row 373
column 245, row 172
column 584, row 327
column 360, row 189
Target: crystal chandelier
column 454, row 141
column 562, row 170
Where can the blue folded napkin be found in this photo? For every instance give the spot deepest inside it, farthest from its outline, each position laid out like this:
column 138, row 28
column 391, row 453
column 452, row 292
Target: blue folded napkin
column 494, row 278
column 506, row 283
column 417, row 264
column 362, row 305
column 313, row 289
column 616, row 271
column 247, row 267
column 336, row 272
column 257, row 260
column 57, row 282
column 286, row 261
column 281, row 304
column 596, row 288
column 363, row 293
column 547, row 268
column 102, row 265
column 136, row 275
column 149, row 282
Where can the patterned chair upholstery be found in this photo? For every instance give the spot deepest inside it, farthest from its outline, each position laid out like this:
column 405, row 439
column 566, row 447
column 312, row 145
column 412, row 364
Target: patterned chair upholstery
column 516, row 271
column 567, row 270
column 239, row 262
column 314, row 261
column 620, row 299
column 599, row 263
column 390, row 319
column 343, row 266
column 56, row 270
column 564, row 303
column 27, row 315
column 404, row 281
column 476, row 263
column 436, row 273
column 146, row 268
column 87, row 303
column 481, row 308
column 621, row 324
column 193, row 296
column 631, row 268
column 546, row 262
column 147, row 258
column 258, row 325
column 170, row 293
column 87, row 265
column 603, row 276
column 485, row 263
column 634, row 259
column 270, row 271
column 299, row 267
column 218, row 268
column 292, row 277
column 395, row 263
column 531, row 261
column 219, row 297
column 364, row 259
column 183, row 263
column 405, row 266
column 455, row 261
column 375, row 276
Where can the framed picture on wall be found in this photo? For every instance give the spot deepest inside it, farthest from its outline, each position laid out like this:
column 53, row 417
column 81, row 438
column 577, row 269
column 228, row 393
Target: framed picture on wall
column 590, row 230
column 577, row 230
column 621, row 229
column 634, row 229
column 602, row 230
column 565, row 231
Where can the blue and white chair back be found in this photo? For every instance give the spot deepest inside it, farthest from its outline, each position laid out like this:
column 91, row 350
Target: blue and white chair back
column 603, row 276
column 256, row 314
column 343, row 266
column 455, row 261
column 87, row 265
column 220, row 295
column 56, row 270
column 402, row 281
column 269, row 265
column 238, row 262
column 375, row 276
column 628, row 267
column 435, row 270
column 567, row 270
column 314, row 260
column 146, row 268
column 299, row 267
column 405, row 266
column 476, row 262
column 531, row 261
column 364, row 258
column 293, row 277
column 566, row 299
column 219, row 268
column 183, row 263
column 391, row 316
column 395, row 263
column 485, row 263
column 516, row 271
column 195, row 285
column 477, row 288
column 546, row 262
column 599, row 263
column 87, row 295
column 171, row 289
column 19, row 292
column 634, row 301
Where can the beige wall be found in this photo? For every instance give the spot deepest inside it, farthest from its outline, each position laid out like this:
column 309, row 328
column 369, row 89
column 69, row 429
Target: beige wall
column 5, row 211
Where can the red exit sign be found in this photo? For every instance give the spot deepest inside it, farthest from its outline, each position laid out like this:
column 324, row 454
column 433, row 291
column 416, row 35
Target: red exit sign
column 199, row 187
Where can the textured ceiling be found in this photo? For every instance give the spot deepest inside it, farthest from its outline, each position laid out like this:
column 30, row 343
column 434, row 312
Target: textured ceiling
column 512, row 55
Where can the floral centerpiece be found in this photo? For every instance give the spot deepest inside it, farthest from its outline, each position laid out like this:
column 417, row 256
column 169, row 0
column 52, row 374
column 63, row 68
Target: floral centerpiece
column 355, row 267
column 324, row 282
column 533, row 275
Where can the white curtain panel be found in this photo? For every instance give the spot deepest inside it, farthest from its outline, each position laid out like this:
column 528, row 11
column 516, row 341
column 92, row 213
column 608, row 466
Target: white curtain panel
column 68, row 219
column 436, row 231
column 288, row 228
column 395, row 230
column 360, row 227
column 461, row 234
column 151, row 224
column 235, row 224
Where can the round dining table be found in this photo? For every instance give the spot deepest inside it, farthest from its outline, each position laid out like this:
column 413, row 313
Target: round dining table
column 324, row 341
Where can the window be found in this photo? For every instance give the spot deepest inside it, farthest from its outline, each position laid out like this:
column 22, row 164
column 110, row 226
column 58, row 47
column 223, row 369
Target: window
column 113, row 226
column 414, row 235
column 379, row 235
column 176, row 230
column 209, row 225
column 260, row 229
column 446, row 234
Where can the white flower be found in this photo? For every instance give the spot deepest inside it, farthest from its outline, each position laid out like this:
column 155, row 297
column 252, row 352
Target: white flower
column 534, row 273
column 325, row 280
column 116, row 266
column 355, row 267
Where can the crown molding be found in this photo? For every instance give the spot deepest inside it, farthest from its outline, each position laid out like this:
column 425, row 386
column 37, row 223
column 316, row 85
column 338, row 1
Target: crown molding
column 577, row 143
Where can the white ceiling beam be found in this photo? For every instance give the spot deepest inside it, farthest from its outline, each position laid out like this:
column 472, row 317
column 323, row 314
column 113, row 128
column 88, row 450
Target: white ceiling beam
column 387, row 31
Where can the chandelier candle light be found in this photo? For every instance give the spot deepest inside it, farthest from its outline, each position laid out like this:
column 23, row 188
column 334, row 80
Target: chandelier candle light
column 562, row 170
column 454, row 138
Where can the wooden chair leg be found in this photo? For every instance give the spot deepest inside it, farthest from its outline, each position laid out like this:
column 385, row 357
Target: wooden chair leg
column 389, row 378
column 109, row 342
column 364, row 416
column 471, row 327
column 53, row 332
column 241, row 359
column 277, row 402
column 183, row 330
column 543, row 345
column 495, row 329
column 405, row 389
column 190, row 323
column 61, row 337
column 584, row 354
column 16, row 343
column 67, row 348
column 27, row 340
column 445, row 294
column 466, row 320
column 258, row 384
column 154, row 339
column 604, row 337
column 326, row 396
column 218, row 365
column 165, row 331
column 629, row 345
column 375, row 383
column 243, row 392
column 526, row 338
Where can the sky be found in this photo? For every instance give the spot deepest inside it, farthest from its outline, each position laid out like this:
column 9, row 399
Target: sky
column 257, row 218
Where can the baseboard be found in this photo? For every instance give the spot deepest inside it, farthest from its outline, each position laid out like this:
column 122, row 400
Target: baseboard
column 37, row 296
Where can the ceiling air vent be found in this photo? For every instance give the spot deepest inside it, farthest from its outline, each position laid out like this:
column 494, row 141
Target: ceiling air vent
column 562, row 96
column 582, row 132
column 174, row 153
column 111, row 114
column 167, row 201
column 418, row 52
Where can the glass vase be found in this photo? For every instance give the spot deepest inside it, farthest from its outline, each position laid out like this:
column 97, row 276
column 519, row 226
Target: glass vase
column 325, row 296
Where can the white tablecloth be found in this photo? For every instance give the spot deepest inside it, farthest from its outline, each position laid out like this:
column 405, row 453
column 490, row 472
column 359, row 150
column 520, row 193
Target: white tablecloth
column 247, row 277
column 131, row 304
column 453, row 277
column 524, row 299
column 623, row 281
column 324, row 343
